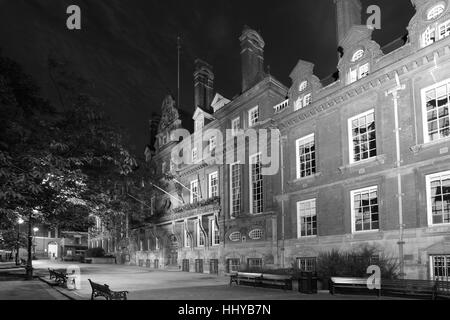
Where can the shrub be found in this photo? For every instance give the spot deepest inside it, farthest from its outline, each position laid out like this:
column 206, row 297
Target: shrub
column 95, row 253
column 355, row 263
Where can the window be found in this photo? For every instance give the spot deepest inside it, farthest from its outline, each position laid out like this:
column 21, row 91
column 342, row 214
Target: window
column 358, row 72
column 235, row 236
column 187, row 240
column 235, row 126
column 255, row 234
column 435, row 12
column 306, row 157
column 438, row 198
column 215, row 234
column 363, row 144
column 302, row 87
column 440, row 267
column 358, row 55
column 306, row 219
column 254, row 264
column 212, row 143
column 163, row 167
column 200, row 235
column 141, row 245
column 156, row 243
column 436, row 32
column 233, row 265
column 436, row 112
column 303, row 101
column 194, row 191
column 213, row 185
column 194, row 155
column 256, row 187
column 365, row 214
column 253, row 117
column 307, row 264
column 235, row 189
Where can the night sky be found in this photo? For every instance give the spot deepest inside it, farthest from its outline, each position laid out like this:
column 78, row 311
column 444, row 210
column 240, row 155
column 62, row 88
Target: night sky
column 127, row 49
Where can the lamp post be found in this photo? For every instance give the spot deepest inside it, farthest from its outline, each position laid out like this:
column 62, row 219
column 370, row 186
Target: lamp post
column 19, row 222
column 35, row 229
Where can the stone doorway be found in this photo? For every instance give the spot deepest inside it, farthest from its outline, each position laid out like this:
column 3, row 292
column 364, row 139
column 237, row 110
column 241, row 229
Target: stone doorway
column 172, row 251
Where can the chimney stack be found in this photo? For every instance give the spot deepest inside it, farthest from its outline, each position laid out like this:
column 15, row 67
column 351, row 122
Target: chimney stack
column 252, row 57
column 348, row 14
column 203, row 85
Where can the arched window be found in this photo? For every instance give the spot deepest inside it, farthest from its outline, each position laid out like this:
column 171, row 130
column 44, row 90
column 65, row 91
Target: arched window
column 302, row 87
column 235, row 236
column 435, row 11
column 357, row 55
column 255, row 234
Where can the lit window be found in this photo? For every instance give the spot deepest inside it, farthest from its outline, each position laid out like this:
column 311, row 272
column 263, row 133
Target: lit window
column 256, row 187
column 435, row 32
column 307, row 264
column 363, row 144
column 358, row 72
column 235, row 189
column 302, row 87
column 363, row 71
column 438, row 198
column 306, row 157
column 194, row 191
column 306, row 219
column 365, row 214
column 215, row 234
column 235, row 236
column 357, row 55
column 213, row 185
column 156, row 243
column 436, row 111
column 435, row 12
column 235, row 126
column 253, row 117
column 255, row 234
column 303, row 101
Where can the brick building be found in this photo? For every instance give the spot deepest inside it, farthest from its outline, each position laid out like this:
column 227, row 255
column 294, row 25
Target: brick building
column 363, row 160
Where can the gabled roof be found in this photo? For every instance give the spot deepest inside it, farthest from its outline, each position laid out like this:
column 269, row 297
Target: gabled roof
column 199, row 111
column 219, row 102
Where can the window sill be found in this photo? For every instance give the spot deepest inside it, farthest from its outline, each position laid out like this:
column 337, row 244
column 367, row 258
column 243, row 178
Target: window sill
column 419, row 147
column 305, row 179
column 381, row 159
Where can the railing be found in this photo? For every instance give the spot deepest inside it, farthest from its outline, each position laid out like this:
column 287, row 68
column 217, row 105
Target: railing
column 280, row 107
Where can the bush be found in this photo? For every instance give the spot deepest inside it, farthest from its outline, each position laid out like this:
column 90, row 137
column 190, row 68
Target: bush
column 95, row 253
column 355, row 263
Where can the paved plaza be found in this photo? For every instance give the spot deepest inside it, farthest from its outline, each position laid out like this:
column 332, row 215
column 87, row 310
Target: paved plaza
column 148, row 284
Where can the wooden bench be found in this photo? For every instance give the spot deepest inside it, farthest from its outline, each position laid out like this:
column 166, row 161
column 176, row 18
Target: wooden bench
column 347, row 283
column 59, row 277
column 245, row 277
column 422, row 288
column 442, row 290
column 99, row 290
column 277, row 280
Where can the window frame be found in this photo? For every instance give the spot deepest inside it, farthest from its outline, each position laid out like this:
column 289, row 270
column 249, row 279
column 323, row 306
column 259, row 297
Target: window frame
column 352, row 206
column 298, row 143
column 200, row 235
column 235, row 233
column 303, row 86
column 195, row 158
column 213, row 229
column 234, row 214
column 234, row 122
column 351, row 151
column 439, row 6
column 252, row 111
column 426, row 134
column 251, row 160
column 194, row 195
column 428, row 179
column 210, row 186
column 299, row 219
column 358, row 55
column 259, row 231
column 212, row 143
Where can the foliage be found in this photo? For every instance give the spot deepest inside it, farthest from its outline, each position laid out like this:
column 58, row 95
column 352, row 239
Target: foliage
column 355, row 263
column 95, row 253
column 8, row 240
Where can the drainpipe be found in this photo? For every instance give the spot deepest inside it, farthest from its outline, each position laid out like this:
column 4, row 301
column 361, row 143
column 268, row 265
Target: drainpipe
column 283, row 214
column 401, row 242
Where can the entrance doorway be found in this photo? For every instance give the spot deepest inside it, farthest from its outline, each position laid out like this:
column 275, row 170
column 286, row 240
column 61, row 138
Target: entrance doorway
column 53, row 250
column 172, row 251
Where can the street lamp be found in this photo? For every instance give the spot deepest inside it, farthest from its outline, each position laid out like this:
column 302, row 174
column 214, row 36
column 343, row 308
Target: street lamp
column 35, row 229
column 19, row 222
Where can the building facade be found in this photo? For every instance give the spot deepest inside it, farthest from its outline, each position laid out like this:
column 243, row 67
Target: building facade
column 363, row 160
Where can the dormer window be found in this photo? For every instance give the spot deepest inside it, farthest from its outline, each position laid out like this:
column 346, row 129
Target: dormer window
column 435, row 32
column 303, row 101
column 435, row 12
column 358, row 55
column 253, row 117
column 358, row 72
column 302, row 87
